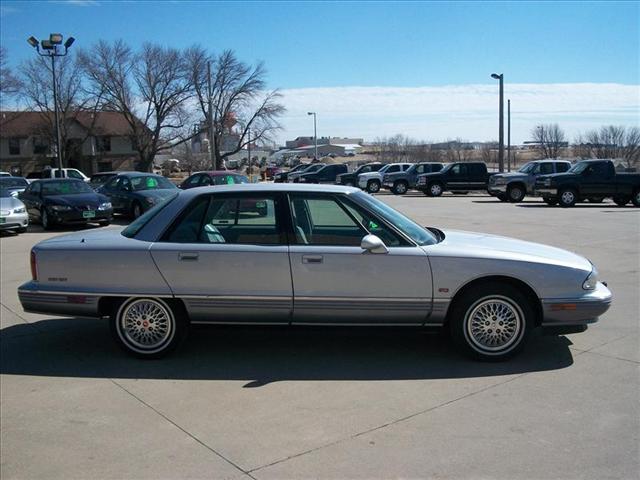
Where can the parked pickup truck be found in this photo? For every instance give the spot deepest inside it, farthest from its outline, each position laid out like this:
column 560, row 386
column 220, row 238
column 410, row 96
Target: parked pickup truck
column 55, row 173
column 400, row 182
column 514, row 186
column 326, row 174
column 592, row 180
column 350, row 179
column 454, row 176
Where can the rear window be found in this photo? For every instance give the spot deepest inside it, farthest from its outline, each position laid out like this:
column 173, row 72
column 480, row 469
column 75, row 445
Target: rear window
column 135, row 226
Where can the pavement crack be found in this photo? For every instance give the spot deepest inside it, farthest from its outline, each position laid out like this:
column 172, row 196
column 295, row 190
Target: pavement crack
column 186, row 432
column 388, row 424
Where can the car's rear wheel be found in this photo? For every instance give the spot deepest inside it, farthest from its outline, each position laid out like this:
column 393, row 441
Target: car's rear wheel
column 400, row 188
column 516, row 193
column 21, row 229
column 104, row 223
column 621, row 201
column 148, row 327
column 44, row 218
column 491, row 322
column 567, row 198
column 636, row 198
column 373, row 186
column 435, row 189
column 136, row 210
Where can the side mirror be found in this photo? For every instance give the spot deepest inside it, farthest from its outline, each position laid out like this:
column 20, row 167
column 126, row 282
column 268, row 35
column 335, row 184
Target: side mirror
column 373, row 244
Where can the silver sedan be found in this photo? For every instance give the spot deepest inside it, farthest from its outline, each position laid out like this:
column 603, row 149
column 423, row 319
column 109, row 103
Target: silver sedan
column 13, row 213
column 308, row 255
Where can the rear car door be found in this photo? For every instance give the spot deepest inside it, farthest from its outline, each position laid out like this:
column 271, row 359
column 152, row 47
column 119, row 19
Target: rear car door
column 596, row 180
column 226, row 256
column 337, row 282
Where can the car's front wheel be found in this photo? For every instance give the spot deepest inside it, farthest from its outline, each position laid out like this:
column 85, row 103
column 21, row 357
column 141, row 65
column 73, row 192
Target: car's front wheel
column 435, row 190
column 636, row 198
column 136, row 210
column 567, row 198
column 621, row 201
column 491, row 322
column 516, row 193
column 373, row 186
column 44, row 218
column 148, row 327
column 400, row 188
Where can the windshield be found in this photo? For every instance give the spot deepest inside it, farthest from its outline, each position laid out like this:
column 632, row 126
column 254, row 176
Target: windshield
column 579, row 167
column 7, row 182
column 101, row 179
column 135, row 226
column 65, row 187
column 527, row 167
column 4, row 193
column 415, row 232
column 229, row 179
column 313, row 168
column 150, row 183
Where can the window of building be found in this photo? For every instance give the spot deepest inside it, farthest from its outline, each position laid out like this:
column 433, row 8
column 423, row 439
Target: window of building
column 103, row 144
column 14, row 146
column 40, row 146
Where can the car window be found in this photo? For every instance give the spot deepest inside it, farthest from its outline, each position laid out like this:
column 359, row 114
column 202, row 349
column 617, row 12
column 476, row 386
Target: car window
column 225, row 180
column 135, row 226
column 124, row 184
column 111, row 184
column 34, row 189
column 194, row 180
column 546, row 168
column 458, row 169
column 324, row 221
column 599, row 169
column 562, row 167
column 249, row 220
column 420, row 169
column 365, row 169
column 393, row 168
column 74, row 174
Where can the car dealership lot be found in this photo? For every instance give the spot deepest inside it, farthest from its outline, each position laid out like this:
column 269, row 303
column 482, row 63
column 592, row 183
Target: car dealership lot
column 241, row 403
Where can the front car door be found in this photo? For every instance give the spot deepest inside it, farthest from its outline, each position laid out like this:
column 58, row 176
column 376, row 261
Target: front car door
column 458, row 177
column 32, row 200
column 226, row 257
column 337, row 282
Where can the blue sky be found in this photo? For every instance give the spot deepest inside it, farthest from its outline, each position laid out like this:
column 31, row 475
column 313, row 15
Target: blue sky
column 320, row 51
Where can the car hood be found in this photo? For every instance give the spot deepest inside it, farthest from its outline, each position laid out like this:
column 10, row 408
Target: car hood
column 93, row 199
column 158, row 194
column 557, row 175
column 510, row 175
column 9, row 203
column 481, row 245
column 371, row 174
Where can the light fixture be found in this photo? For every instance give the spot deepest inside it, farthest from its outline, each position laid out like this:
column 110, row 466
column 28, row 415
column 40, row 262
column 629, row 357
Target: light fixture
column 46, row 45
column 496, row 76
column 69, row 42
column 33, row 41
column 55, row 38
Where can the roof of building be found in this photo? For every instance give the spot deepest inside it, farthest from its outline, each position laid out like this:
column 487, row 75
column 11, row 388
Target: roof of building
column 24, row 124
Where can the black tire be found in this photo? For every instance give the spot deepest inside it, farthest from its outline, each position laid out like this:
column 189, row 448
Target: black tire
column 104, row 223
column 21, row 229
column 435, row 189
column 567, row 197
column 400, row 188
column 595, row 199
column 135, row 339
column 136, row 210
column 552, row 202
column 636, row 198
column 373, row 186
column 45, row 220
column 474, row 326
column 516, row 193
column 502, row 197
column 621, row 201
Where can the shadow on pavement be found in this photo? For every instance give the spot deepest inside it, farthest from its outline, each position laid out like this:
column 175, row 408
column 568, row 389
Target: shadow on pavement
column 261, row 355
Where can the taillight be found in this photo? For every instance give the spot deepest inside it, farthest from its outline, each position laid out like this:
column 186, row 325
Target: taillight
column 34, row 268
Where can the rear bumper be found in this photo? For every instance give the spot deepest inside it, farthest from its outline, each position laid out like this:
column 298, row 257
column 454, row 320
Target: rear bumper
column 34, row 300
column 579, row 311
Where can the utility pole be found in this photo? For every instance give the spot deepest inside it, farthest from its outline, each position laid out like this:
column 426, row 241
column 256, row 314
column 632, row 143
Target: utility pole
column 210, row 119
column 55, row 103
column 249, row 153
column 509, row 135
column 500, row 77
column 315, row 135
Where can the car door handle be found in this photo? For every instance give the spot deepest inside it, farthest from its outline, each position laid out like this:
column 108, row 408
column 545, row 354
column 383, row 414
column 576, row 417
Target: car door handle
column 188, row 256
column 312, row 259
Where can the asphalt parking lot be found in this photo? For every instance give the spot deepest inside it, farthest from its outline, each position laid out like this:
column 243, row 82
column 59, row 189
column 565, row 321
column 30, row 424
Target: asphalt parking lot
column 279, row 404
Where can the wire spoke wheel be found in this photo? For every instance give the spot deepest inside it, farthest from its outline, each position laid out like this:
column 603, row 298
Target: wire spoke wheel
column 146, row 325
column 494, row 324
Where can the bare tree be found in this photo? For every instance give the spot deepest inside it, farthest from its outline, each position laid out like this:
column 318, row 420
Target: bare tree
column 550, row 138
column 9, row 83
column 149, row 88
column 458, row 150
column 72, row 100
column 239, row 101
column 489, row 152
column 611, row 142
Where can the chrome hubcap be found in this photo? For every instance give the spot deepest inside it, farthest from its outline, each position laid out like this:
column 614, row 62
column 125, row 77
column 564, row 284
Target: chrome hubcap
column 374, row 187
column 146, row 324
column 494, row 324
column 567, row 197
column 401, row 188
column 515, row 193
column 435, row 189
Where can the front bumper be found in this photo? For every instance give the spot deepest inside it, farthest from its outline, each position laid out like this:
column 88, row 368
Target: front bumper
column 583, row 310
column 76, row 216
column 13, row 221
column 497, row 189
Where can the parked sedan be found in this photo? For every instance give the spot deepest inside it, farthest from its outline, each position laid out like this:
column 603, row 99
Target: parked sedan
column 216, row 177
column 65, row 201
column 283, row 177
column 321, row 255
column 13, row 213
column 97, row 180
column 133, row 193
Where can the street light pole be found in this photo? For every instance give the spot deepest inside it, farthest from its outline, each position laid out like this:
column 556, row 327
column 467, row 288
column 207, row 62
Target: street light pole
column 509, row 135
column 210, row 116
column 249, row 153
column 500, row 122
column 315, row 135
column 50, row 48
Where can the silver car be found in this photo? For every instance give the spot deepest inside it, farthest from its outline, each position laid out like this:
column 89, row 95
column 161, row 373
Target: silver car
column 13, row 213
column 308, row 255
column 372, row 181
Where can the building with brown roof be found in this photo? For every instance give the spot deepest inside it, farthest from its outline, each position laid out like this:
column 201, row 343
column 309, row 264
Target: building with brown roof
column 92, row 142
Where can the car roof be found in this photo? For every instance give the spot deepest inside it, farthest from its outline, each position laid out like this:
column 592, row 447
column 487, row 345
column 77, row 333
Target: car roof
column 97, row 174
column 218, row 173
column 138, row 174
column 269, row 187
column 51, row 180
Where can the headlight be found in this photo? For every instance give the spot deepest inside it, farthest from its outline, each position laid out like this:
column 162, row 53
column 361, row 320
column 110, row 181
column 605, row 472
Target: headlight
column 104, row 206
column 592, row 280
column 500, row 181
column 19, row 210
column 60, row 208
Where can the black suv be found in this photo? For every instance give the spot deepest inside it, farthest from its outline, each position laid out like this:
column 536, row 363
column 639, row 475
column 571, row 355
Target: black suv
column 455, row 176
column 400, row 182
column 326, row 174
column 351, row 179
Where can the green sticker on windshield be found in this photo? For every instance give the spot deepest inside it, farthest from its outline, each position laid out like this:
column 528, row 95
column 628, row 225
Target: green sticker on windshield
column 372, row 225
column 151, row 182
column 230, row 180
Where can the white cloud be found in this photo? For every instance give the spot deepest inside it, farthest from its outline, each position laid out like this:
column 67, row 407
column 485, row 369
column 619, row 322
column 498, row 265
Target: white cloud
column 80, row 3
column 466, row 111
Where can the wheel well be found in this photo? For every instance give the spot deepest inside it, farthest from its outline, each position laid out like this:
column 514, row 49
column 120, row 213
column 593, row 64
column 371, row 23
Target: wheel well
column 371, row 180
column 108, row 305
column 518, row 184
column 514, row 282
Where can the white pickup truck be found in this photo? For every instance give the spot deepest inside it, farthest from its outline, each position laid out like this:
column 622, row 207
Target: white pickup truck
column 55, row 173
